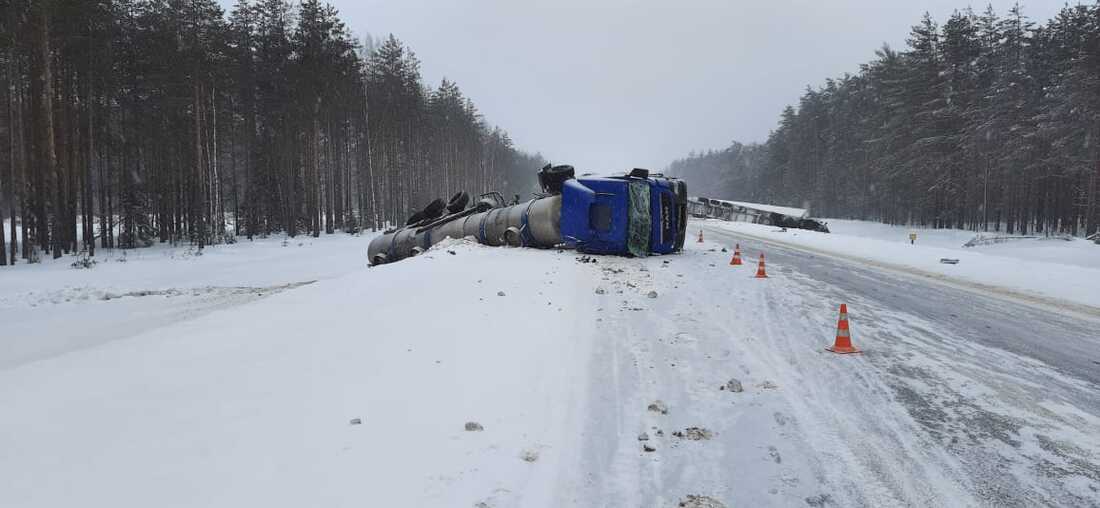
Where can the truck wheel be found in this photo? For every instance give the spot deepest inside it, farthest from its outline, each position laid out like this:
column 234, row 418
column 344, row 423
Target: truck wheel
column 416, row 217
column 551, row 178
column 435, row 209
column 458, row 202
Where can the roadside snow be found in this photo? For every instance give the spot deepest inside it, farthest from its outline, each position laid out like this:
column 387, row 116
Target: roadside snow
column 51, row 308
column 1072, row 251
column 1056, row 269
column 256, row 405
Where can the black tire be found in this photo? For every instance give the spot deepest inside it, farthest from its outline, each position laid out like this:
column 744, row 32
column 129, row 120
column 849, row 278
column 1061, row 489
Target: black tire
column 551, row 178
column 435, row 209
column 416, row 217
column 458, row 202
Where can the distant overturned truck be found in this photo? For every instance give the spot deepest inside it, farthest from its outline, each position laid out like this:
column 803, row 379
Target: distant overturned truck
column 635, row 214
column 756, row 213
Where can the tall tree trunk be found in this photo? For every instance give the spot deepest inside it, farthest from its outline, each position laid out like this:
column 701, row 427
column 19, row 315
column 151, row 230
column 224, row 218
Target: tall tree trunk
column 198, row 190
column 1092, row 215
column 45, row 155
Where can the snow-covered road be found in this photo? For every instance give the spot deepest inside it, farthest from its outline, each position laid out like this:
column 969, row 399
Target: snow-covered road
column 959, row 399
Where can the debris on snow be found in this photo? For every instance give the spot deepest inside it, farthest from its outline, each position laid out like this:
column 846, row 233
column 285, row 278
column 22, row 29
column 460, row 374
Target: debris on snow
column 733, row 385
column 529, row 455
column 694, row 434
column 355, row 421
column 500, row 293
column 643, row 437
column 658, row 407
column 949, row 261
column 648, row 449
column 600, row 291
column 774, row 453
column 693, row 501
column 819, row 500
column 652, row 294
column 84, row 262
column 768, row 385
column 474, row 427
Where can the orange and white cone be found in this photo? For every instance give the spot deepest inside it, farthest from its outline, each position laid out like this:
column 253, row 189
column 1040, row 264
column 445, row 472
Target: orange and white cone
column 736, row 255
column 700, row 236
column 843, row 344
column 760, row 273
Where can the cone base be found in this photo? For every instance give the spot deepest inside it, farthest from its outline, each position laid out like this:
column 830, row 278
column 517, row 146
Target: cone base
column 842, row 350
column 737, row 262
column 761, row 276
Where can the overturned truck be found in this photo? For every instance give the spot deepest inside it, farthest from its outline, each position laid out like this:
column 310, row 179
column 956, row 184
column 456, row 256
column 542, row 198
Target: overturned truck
column 634, row 214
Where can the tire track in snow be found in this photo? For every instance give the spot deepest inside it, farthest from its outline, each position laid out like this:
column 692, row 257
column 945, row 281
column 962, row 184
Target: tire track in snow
column 1011, row 430
column 848, row 400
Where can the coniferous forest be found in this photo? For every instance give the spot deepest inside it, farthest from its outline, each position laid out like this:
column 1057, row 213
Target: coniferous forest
column 131, row 122
column 984, row 122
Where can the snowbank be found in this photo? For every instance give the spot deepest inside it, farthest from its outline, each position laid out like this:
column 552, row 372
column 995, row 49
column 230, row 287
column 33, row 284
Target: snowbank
column 1050, row 268
column 1073, row 251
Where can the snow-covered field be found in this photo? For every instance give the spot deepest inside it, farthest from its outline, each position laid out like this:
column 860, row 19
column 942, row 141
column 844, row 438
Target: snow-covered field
column 118, row 392
column 51, row 308
column 260, row 374
column 1056, row 271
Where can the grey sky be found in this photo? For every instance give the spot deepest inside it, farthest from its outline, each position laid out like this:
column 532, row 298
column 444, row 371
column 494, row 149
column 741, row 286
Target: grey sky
column 613, row 84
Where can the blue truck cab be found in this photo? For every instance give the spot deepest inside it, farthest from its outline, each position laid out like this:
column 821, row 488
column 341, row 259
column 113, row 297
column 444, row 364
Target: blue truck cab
column 634, row 214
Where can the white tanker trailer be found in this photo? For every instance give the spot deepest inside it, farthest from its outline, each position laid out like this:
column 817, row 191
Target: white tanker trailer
column 635, row 214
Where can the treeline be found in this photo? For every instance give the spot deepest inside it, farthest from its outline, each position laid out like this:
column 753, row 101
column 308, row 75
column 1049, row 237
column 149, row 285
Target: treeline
column 984, row 123
column 129, row 122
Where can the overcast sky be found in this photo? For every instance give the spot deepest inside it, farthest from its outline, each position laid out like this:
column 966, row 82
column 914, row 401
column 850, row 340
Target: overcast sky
column 612, row 84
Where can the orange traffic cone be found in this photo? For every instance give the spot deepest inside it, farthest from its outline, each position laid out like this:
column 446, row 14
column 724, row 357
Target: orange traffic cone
column 843, row 335
column 760, row 273
column 736, row 255
column 700, row 236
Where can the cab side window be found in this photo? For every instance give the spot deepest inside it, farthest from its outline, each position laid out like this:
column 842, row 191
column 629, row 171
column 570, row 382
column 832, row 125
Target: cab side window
column 599, row 217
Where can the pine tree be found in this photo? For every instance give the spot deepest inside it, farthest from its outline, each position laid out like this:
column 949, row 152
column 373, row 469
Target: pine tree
column 145, row 120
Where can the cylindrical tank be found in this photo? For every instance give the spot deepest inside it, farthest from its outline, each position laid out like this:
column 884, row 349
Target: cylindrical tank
column 536, row 223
